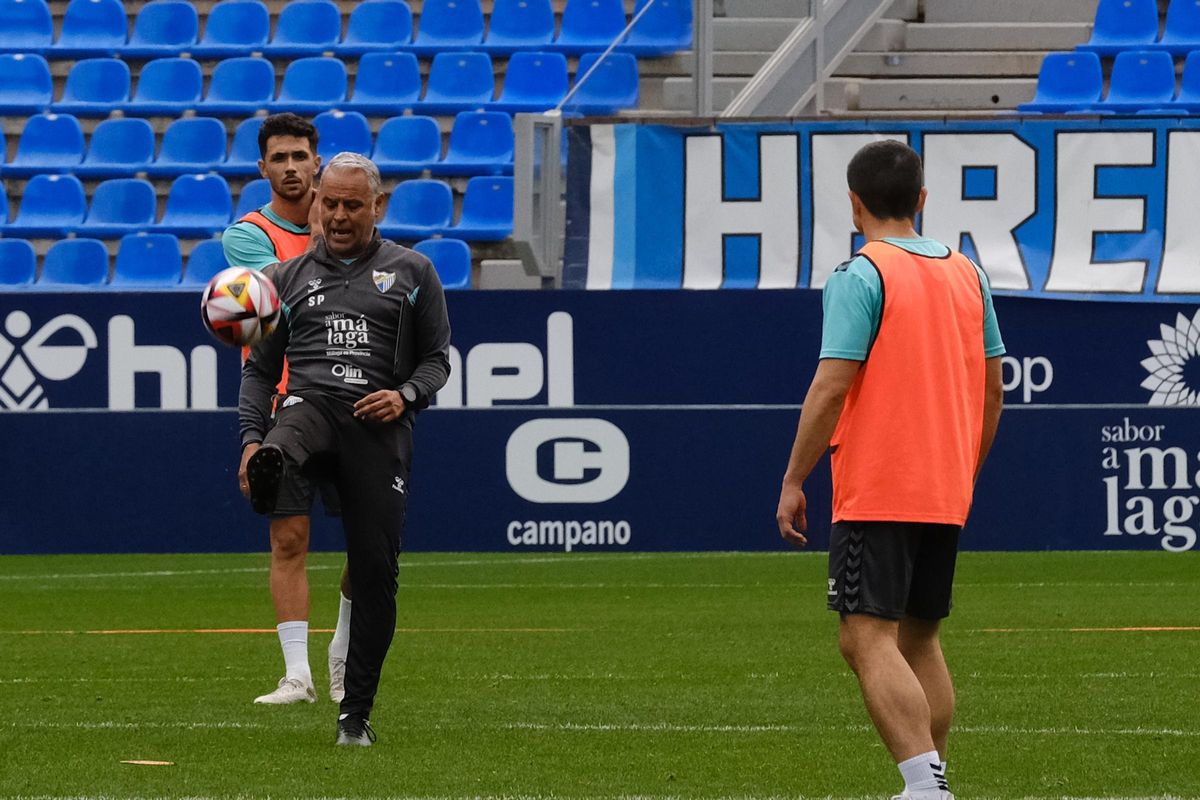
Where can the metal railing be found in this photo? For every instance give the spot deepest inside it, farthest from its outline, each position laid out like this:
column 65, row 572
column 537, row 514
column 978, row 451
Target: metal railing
column 792, row 82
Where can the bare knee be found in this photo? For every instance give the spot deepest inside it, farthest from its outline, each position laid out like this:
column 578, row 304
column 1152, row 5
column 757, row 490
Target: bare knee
column 289, row 538
column 918, row 639
column 861, row 635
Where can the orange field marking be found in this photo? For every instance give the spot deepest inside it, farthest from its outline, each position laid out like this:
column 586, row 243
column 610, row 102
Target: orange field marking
column 1131, row 629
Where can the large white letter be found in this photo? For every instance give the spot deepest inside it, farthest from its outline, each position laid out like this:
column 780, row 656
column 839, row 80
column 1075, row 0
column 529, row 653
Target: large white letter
column 1080, row 213
column 503, row 371
column 775, row 215
column 833, row 225
column 1181, row 235
column 990, row 221
column 126, row 359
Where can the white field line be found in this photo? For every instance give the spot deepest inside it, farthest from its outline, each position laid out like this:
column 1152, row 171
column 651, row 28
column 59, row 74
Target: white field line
column 574, row 560
column 595, row 727
column 580, row 797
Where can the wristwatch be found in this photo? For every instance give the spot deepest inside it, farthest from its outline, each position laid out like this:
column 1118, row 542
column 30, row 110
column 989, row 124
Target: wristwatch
column 409, row 393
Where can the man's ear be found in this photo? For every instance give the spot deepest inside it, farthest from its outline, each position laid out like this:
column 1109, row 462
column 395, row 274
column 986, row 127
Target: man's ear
column 921, row 199
column 380, row 205
column 856, row 210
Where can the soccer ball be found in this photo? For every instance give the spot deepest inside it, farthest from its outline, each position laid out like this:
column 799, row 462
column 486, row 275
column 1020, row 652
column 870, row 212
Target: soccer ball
column 240, row 306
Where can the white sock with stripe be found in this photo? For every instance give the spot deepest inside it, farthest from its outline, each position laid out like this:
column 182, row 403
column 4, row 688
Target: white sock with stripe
column 924, row 778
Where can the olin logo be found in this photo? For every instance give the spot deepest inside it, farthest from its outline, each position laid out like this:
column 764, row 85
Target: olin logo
column 567, row 461
column 23, row 362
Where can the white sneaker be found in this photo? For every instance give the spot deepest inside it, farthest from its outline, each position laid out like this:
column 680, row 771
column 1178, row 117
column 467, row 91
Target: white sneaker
column 290, row 690
column 337, row 677
column 906, row 796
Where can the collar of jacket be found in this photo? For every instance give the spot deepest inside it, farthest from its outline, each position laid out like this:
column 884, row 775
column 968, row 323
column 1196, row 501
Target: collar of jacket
column 325, row 257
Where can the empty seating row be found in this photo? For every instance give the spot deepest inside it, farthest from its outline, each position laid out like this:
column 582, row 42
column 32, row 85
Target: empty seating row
column 1142, row 82
column 1133, row 25
column 385, row 84
column 198, row 206
column 154, row 260
column 481, row 143
column 311, row 27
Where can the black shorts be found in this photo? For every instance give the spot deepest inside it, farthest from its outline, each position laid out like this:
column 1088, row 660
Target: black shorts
column 325, row 446
column 892, row 569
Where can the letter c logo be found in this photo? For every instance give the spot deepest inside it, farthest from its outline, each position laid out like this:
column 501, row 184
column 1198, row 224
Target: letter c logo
column 589, row 460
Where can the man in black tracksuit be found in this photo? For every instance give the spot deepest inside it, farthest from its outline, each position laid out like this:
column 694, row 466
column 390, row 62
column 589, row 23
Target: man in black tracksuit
column 367, row 338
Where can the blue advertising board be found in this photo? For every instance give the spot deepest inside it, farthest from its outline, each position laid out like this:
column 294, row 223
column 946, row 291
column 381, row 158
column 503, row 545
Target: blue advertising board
column 656, row 420
column 1050, row 208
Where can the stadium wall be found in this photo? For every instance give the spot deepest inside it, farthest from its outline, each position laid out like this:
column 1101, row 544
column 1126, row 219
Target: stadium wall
column 655, row 420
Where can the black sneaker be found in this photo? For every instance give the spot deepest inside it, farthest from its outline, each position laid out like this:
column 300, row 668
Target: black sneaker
column 355, row 730
column 263, row 472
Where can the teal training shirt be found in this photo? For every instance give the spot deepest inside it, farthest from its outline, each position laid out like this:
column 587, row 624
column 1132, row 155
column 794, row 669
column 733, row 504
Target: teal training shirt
column 247, row 245
column 853, row 303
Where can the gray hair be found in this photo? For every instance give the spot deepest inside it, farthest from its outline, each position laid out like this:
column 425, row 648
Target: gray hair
column 347, row 160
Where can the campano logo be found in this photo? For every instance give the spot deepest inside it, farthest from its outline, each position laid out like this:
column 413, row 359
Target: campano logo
column 567, row 460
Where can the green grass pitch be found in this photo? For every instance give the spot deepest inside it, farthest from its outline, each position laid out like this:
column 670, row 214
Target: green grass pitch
column 592, row 675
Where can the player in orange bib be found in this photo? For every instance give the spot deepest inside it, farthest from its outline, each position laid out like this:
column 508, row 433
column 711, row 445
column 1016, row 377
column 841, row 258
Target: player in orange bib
column 907, row 398
column 281, row 230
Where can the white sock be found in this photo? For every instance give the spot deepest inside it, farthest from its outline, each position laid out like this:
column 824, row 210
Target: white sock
column 339, row 647
column 923, row 775
column 293, row 638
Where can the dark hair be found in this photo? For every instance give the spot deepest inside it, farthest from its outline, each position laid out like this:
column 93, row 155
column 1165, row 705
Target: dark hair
column 286, row 124
column 887, row 176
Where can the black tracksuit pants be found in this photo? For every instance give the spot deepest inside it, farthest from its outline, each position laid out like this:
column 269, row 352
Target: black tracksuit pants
column 369, row 464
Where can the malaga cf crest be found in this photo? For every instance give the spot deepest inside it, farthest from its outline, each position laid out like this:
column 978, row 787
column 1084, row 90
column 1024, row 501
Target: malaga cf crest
column 383, row 280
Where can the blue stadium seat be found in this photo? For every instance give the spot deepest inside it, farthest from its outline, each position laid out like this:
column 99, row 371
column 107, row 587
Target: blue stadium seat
column 342, row 131
column 533, row 82
column 458, row 82
column 243, row 152
column 451, row 259
column 1123, row 25
column 192, row 144
column 163, row 28
column 376, row 27
column 206, row 259
column 590, row 25
column 3, row 201
column 148, row 259
column 25, row 26
column 234, row 28
column 197, row 206
column 1189, row 86
column 449, row 25
column 255, row 195
column 51, row 206
column 407, row 145
column 611, row 87
column 120, row 206
column 312, row 85
column 119, row 147
column 417, row 209
column 1067, row 82
column 1140, row 79
column 18, row 262
column 386, row 83
column 481, row 143
column 95, row 86
column 519, row 25
column 166, row 87
column 239, row 86
column 487, row 211
column 91, row 28
column 49, row 143
column 306, row 29
column 27, row 87
column 1181, row 35
column 665, row 28
column 75, row 262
